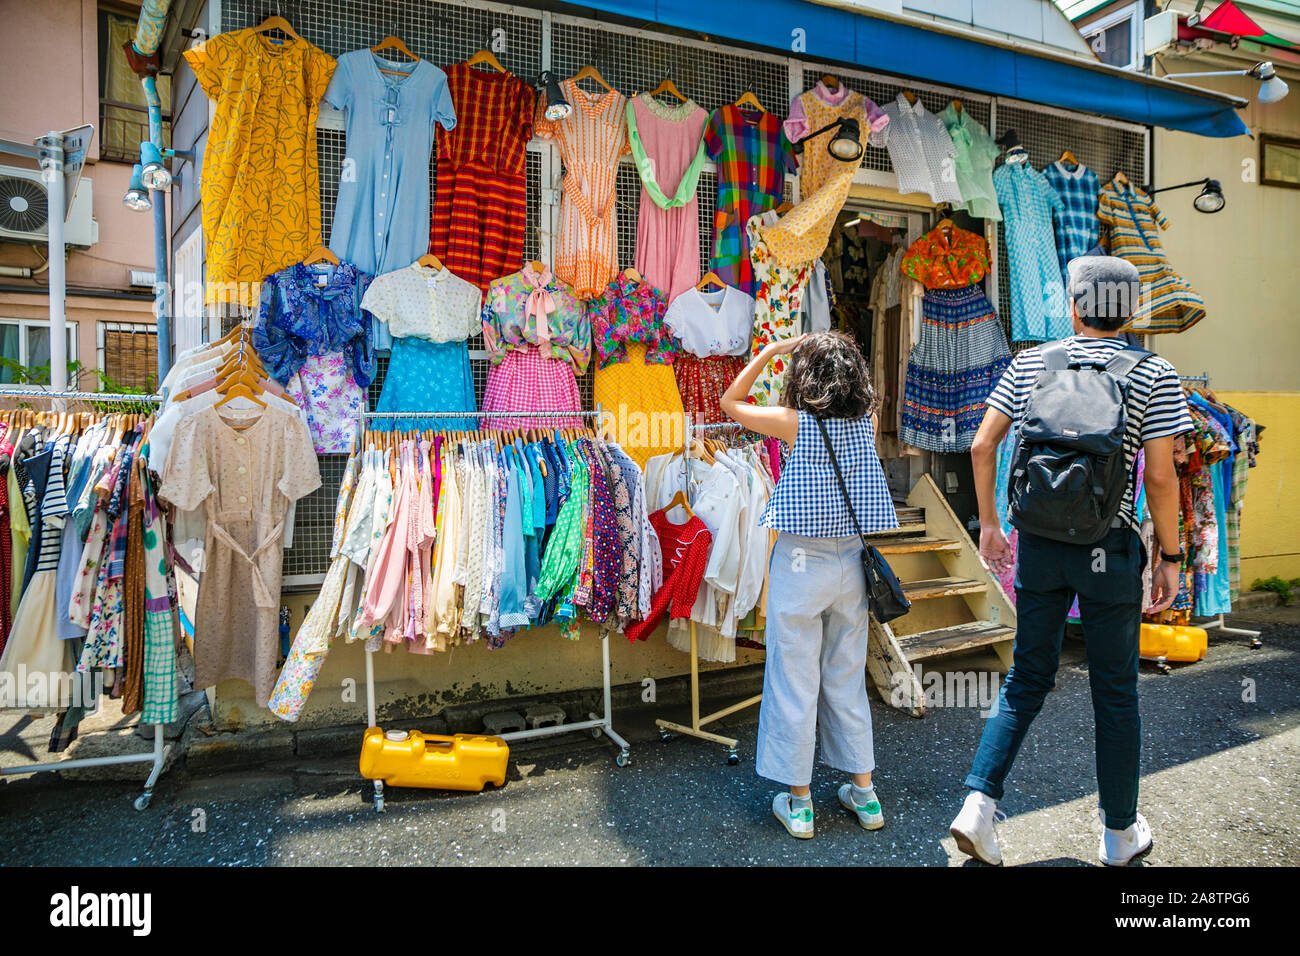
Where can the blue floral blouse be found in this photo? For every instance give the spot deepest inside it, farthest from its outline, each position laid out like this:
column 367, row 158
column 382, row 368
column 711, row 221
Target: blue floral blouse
column 314, row 310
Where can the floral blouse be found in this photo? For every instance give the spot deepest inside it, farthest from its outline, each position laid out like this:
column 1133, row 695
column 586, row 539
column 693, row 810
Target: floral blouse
column 509, row 323
column 947, row 259
column 314, row 310
column 630, row 310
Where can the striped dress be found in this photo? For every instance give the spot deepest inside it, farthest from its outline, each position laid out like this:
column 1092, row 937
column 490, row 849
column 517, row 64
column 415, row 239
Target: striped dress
column 1168, row 303
column 591, row 140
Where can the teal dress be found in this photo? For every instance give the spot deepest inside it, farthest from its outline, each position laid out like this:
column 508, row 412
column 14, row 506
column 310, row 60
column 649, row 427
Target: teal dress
column 426, row 376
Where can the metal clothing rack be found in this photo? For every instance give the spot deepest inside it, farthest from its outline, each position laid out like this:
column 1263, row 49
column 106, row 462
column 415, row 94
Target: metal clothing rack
column 1217, row 623
column 668, row 728
column 158, row 755
column 598, row 723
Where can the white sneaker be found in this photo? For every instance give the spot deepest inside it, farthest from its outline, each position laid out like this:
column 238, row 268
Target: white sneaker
column 799, row 823
column 1118, row 847
column 870, row 815
column 974, row 828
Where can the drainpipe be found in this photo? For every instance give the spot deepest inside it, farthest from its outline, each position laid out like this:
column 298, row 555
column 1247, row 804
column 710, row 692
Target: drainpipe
column 142, row 54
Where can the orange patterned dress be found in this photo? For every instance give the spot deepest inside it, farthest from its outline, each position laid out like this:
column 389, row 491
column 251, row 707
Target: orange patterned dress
column 591, row 140
column 261, row 184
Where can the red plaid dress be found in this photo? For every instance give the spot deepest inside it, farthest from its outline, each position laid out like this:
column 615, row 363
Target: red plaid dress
column 479, row 209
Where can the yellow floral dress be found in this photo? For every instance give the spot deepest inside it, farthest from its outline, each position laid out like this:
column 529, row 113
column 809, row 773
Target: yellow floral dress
column 261, row 184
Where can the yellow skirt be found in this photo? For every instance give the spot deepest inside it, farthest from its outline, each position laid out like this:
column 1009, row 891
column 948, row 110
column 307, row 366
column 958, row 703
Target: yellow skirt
column 641, row 406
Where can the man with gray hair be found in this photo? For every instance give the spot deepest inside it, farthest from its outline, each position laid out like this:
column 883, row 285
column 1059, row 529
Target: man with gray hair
column 1105, row 574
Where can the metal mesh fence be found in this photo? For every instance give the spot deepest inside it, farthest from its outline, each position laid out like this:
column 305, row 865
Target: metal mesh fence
column 631, row 60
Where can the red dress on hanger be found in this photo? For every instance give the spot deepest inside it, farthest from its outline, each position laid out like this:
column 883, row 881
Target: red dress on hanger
column 685, row 550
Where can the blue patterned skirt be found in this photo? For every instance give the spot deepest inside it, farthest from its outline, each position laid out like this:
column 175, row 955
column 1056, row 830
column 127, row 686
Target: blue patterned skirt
column 426, row 376
column 960, row 356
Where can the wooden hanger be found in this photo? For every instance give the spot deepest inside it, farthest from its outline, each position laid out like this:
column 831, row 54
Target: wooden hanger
column 321, row 253
column 668, row 86
column 956, row 106
column 784, row 208
column 1122, row 179
column 680, row 499
column 486, row 58
column 747, row 98
column 1068, row 157
column 707, row 278
column 910, row 97
column 589, row 72
column 830, row 81
column 429, row 261
column 394, row 43
column 276, row 23
column 632, row 274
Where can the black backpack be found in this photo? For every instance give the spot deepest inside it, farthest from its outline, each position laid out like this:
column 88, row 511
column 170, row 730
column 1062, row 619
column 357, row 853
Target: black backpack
column 1068, row 478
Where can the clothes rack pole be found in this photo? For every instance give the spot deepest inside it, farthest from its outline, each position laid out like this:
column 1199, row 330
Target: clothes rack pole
column 158, row 755
column 597, row 724
column 668, row 728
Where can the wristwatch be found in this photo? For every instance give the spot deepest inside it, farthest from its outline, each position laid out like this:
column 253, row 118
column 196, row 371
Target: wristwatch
column 1172, row 558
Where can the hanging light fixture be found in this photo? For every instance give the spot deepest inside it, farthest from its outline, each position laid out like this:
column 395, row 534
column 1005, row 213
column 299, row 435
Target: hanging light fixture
column 557, row 107
column 137, row 197
column 1209, row 199
column 1271, row 86
column 845, row 145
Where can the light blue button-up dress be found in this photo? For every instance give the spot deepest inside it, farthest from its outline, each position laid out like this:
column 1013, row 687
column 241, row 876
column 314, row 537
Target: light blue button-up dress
column 381, row 215
column 1029, row 202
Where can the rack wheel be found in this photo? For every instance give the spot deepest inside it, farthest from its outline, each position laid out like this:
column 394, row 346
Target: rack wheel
column 623, row 759
column 733, row 758
column 597, row 731
column 142, row 802
column 666, row 735
column 379, row 804
column 1256, row 643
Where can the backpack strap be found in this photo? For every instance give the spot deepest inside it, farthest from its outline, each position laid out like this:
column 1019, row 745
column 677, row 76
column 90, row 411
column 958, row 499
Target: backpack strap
column 1056, row 357
column 1123, row 362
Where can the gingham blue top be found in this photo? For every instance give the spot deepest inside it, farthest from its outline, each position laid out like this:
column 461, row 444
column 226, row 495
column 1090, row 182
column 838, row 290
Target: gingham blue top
column 807, row 499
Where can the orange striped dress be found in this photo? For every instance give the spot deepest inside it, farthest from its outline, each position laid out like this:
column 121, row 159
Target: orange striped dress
column 591, row 140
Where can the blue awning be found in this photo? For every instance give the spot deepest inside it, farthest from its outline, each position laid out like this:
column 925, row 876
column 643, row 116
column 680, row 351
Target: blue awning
column 929, row 53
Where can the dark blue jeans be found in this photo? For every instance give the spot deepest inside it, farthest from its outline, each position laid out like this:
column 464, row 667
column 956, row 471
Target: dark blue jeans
column 1107, row 577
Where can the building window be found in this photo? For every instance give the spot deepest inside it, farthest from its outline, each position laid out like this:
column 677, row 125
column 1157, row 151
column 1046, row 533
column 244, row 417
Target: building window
column 128, row 356
column 1279, row 161
column 25, row 353
column 1117, row 38
column 123, row 115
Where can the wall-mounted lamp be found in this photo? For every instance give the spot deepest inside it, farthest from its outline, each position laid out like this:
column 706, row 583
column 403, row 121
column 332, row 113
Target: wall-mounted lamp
column 557, row 107
column 845, row 145
column 1271, row 86
column 137, row 197
column 1210, row 198
column 154, row 173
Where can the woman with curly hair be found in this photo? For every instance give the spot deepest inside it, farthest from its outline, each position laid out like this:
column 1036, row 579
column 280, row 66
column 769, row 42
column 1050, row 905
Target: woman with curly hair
column 816, row 673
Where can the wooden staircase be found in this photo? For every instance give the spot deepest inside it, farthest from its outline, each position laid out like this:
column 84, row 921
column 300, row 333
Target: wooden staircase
column 957, row 606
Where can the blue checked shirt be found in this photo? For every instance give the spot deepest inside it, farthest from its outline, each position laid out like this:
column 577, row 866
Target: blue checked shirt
column 1077, row 225
column 807, row 499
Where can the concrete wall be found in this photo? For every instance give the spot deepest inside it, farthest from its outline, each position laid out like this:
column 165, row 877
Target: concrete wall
column 1243, row 260
column 410, row 685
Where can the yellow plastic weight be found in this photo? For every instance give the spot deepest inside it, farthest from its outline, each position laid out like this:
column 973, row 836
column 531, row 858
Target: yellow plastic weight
column 1183, row 644
column 403, row 758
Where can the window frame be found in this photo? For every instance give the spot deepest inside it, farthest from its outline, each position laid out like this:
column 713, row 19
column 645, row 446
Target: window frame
column 24, row 346
column 1271, row 139
column 134, row 328
column 1133, row 13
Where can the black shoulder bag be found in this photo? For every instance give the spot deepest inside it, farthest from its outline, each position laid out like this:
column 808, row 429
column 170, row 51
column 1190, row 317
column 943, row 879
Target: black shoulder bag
column 885, row 597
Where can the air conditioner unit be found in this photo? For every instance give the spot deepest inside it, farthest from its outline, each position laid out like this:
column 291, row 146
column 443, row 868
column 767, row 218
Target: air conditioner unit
column 1160, row 32
column 23, row 209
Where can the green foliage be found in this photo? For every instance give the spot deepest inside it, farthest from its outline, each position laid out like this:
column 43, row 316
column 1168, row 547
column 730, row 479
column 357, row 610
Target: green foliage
column 1278, row 586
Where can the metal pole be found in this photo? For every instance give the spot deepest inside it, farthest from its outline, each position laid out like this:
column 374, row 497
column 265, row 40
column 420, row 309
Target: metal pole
column 51, row 145
column 161, row 266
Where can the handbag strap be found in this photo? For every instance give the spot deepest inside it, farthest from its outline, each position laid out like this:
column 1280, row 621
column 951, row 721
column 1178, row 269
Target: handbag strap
column 844, row 489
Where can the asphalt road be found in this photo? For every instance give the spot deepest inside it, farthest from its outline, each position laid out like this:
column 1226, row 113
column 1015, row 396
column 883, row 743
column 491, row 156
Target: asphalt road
column 1221, row 784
